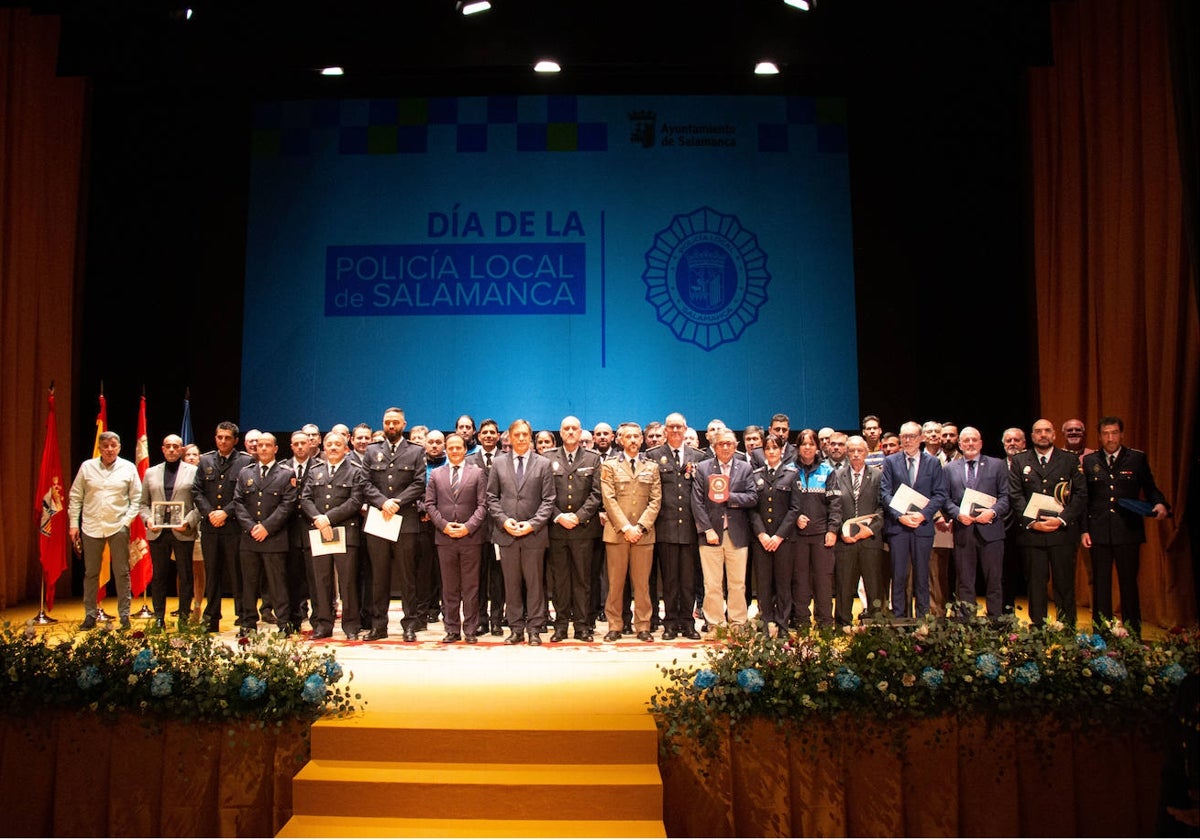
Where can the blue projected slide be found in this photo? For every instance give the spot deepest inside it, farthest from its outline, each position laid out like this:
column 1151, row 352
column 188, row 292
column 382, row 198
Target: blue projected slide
column 616, row 258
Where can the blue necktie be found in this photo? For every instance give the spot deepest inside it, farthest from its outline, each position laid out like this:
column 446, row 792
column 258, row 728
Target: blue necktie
column 912, row 471
column 971, row 474
column 520, row 468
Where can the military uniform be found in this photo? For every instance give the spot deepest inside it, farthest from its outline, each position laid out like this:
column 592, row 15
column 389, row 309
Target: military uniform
column 268, row 500
column 775, row 515
column 398, row 475
column 675, row 538
column 577, row 491
column 339, row 497
column 216, row 478
column 632, row 493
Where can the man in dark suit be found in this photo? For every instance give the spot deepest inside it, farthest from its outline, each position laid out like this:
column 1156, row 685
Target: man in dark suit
column 1114, row 533
column 909, row 533
column 859, row 549
column 170, row 481
column 978, row 527
column 396, row 471
column 520, row 502
column 456, row 501
column 491, row 576
column 675, row 529
column 263, row 501
column 573, row 530
column 1048, row 538
column 332, row 497
column 299, row 569
column 220, row 536
column 722, row 492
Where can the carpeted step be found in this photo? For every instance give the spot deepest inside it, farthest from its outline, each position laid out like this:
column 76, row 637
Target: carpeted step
column 479, row 791
column 326, row 826
column 488, row 737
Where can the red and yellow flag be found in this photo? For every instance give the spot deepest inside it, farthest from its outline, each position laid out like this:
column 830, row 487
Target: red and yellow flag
column 51, row 511
column 140, row 567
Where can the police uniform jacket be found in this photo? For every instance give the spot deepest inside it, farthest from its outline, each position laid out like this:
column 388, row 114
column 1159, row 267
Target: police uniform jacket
column 399, row 476
column 1061, row 478
column 817, row 499
column 632, row 493
column 339, row 497
column 778, row 506
column 213, row 488
column 1108, row 523
column 675, row 523
column 577, row 490
column 268, row 501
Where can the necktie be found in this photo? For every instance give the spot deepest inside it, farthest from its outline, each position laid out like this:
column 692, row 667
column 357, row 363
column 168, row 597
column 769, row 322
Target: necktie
column 570, row 458
column 912, row 471
column 1112, row 459
column 487, row 460
column 1042, row 458
column 454, row 479
column 971, row 473
column 299, row 471
column 520, row 468
column 770, row 475
column 857, row 483
column 264, row 470
column 333, row 471
column 678, row 460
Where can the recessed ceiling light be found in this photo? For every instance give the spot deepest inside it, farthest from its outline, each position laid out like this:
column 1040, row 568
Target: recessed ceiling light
column 802, row 5
column 547, row 66
column 332, row 71
column 472, row 7
column 766, row 68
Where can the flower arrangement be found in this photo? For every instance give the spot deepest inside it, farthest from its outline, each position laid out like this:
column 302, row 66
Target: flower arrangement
column 186, row 674
column 879, row 672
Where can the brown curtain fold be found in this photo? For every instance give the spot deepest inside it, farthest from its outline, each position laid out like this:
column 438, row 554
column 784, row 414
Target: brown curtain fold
column 1118, row 330
column 41, row 143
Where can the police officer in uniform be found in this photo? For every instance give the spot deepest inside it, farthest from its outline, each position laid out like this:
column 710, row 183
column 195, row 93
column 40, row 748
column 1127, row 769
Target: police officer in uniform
column 263, row 502
column 212, row 493
column 1115, row 533
column 396, row 470
column 574, row 527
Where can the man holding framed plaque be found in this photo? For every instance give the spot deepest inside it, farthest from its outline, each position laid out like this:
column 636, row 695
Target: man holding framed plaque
column 170, row 514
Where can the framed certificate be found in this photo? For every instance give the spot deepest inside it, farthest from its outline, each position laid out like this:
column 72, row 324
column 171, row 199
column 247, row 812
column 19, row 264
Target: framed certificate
column 166, row 514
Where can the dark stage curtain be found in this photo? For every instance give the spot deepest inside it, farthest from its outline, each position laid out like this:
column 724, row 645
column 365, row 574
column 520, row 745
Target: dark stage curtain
column 1117, row 324
column 41, row 144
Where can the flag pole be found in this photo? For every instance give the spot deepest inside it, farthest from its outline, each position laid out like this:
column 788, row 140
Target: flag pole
column 42, row 617
column 145, row 611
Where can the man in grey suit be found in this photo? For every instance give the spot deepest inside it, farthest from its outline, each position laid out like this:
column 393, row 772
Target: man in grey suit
column 521, row 502
column 858, row 552
column 573, row 530
column 978, row 529
column 170, row 481
column 722, row 492
column 456, row 501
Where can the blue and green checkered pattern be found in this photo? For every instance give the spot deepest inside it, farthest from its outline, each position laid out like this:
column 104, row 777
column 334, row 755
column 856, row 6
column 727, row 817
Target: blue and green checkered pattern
column 809, row 121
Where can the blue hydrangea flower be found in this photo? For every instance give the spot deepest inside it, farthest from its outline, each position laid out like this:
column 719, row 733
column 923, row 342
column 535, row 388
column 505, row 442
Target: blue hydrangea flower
column 144, row 661
column 705, row 679
column 252, row 688
column 1110, row 669
column 1173, row 673
column 162, row 683
column 847, row 680
column 932, row 678
column 750, row 680
column 314, row 689
column 988, row 665
column 1095, row 641
column 331, row 671
column 89, row 677
column 1027, row 674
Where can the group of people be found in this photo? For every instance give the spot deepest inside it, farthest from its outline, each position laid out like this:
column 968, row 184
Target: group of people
column 642, row 529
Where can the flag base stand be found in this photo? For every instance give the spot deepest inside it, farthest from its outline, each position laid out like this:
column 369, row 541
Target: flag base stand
column 144, row 612
column 101, row 615
column 42, row 618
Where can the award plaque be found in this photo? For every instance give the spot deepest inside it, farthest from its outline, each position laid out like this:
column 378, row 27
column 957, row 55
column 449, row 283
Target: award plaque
column 166, row 514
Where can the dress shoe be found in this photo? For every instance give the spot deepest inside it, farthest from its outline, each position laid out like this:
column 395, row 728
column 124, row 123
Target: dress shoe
column 645, row 636
column 125, row 623
column 559, row 636
column 668, row 635
column 602, row 617
column 450, row 638
column 691, row 634
column 267, row 617
column 496, row 631
column 612, row 636
column 471, row 639
column 88, row 623
column 627, row 630
column 322, row 634
column 353, row 637
column 374, row 635
column 535, row 639
column 410, row 635
column 585, row 636
column 513, row 639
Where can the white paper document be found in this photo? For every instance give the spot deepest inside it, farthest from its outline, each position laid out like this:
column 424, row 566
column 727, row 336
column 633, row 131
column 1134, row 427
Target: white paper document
column 1042, row 506
column 375, row 524
column 974, row 503
column 851, row 527
column 320, row 546
column 907, row 500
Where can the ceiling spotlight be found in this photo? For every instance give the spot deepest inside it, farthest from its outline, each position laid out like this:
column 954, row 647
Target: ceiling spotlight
column 332, row 71
column 766, row 68
column 187, row 14
column 802, row 5
column 471, row 7
column 546, row 66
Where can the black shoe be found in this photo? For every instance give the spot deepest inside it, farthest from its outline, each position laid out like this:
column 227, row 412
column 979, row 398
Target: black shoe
column 585, row 636
column 374, row 635
column 410, row 635
column 450, row 638
column 482, row 629
column 471, row 639
column 125, row 625
column 559, row 636
column 245, row 631
column 645, row 636
column 668, row 635
column 627, row 630
column 535, row 639
column 691, row 634
column 704, row 628
column 513, row 638
column 88, row 623
column 496, row 631
column 602, row 617
column 322, row 634
column 612, row 636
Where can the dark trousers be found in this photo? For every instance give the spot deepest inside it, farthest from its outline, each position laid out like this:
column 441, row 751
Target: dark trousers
column 364, row 584
column 910, row 552
column 1013, row 577
column 396, row 559
column 323, row 567
column 491, row 588
column 570, row 572
column 812, row 580
column 300, row 582
column 678, row 562
column 429, row 578
column 269, row 570
column 597, row 582
column 773, row 572
column 1056, row 562
column 460, row 586
column 523, row 566
column 222, row 570
column 862, row 559
column 989, row 556
column 163, row 550
column 1126, row 558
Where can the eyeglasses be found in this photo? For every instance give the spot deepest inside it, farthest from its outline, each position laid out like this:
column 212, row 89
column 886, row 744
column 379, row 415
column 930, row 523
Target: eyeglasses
column 1072, row 431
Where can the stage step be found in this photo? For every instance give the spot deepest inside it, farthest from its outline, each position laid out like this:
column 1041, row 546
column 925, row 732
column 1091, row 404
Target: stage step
column 490, row 738
column 399, row 827
column 479, row 791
